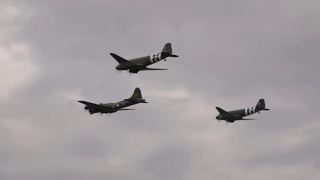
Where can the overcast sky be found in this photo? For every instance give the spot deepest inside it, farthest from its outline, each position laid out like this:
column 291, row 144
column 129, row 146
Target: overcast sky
column 232, row 53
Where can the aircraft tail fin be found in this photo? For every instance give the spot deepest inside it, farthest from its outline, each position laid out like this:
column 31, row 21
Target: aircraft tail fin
column 167, row 50
column 136, row 94
column 261, row 105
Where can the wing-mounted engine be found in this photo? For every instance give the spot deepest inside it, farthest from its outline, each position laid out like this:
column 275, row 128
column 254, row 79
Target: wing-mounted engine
column 133, row 71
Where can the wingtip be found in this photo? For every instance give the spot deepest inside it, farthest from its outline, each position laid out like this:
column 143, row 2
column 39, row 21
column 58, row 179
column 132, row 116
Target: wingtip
column 219, row 109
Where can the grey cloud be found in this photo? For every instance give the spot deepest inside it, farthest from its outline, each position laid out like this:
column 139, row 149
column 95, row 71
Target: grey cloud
column 171, row 162
column 230, row 51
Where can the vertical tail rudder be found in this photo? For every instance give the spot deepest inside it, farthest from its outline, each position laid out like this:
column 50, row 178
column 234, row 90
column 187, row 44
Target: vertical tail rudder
column 136, row 94
column 167, row 51
column 261, row 105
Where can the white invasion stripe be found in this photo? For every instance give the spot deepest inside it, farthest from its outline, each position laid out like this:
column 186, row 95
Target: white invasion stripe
column 151, row 59
column 155, row 58
column 252, row 110
column 245, row 110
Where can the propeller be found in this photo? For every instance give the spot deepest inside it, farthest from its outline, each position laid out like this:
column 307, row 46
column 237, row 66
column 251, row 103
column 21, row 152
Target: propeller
column 128, row 71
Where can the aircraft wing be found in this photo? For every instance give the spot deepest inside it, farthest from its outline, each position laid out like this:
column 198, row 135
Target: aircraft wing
column 124, row 109
column 89, row 104
column 225, row 114
column 151, row 69
column 125, row 63
column 95, row 106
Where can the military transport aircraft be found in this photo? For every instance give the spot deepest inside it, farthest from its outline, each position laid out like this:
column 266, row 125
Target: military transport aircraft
column 141, row 63
column 114, row 107
column 236, row 115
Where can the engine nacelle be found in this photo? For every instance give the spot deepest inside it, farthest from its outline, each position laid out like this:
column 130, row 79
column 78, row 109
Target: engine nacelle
column 133, row 71
column 91, row 111
column 86, row 107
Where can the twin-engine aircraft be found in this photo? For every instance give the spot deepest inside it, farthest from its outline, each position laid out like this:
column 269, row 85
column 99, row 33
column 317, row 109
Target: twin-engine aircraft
column 141, row 63
column 136, row 98
column 237, row 115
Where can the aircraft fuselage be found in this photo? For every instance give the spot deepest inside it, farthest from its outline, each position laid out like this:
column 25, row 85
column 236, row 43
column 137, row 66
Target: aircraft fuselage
column 239, row 114
column 120, row 104
column 144, row 61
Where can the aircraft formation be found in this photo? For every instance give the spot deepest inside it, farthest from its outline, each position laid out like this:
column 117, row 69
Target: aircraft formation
column 140, row 64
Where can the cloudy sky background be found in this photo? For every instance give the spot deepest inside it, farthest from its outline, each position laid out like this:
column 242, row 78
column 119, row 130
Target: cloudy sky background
column 232, row 53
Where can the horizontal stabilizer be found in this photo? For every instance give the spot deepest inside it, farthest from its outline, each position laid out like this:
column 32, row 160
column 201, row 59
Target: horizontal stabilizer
column 152, row 69
column 125, row 109
column 247, row 119
column 131, row 100
column 167, row 51
column 266, row 109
